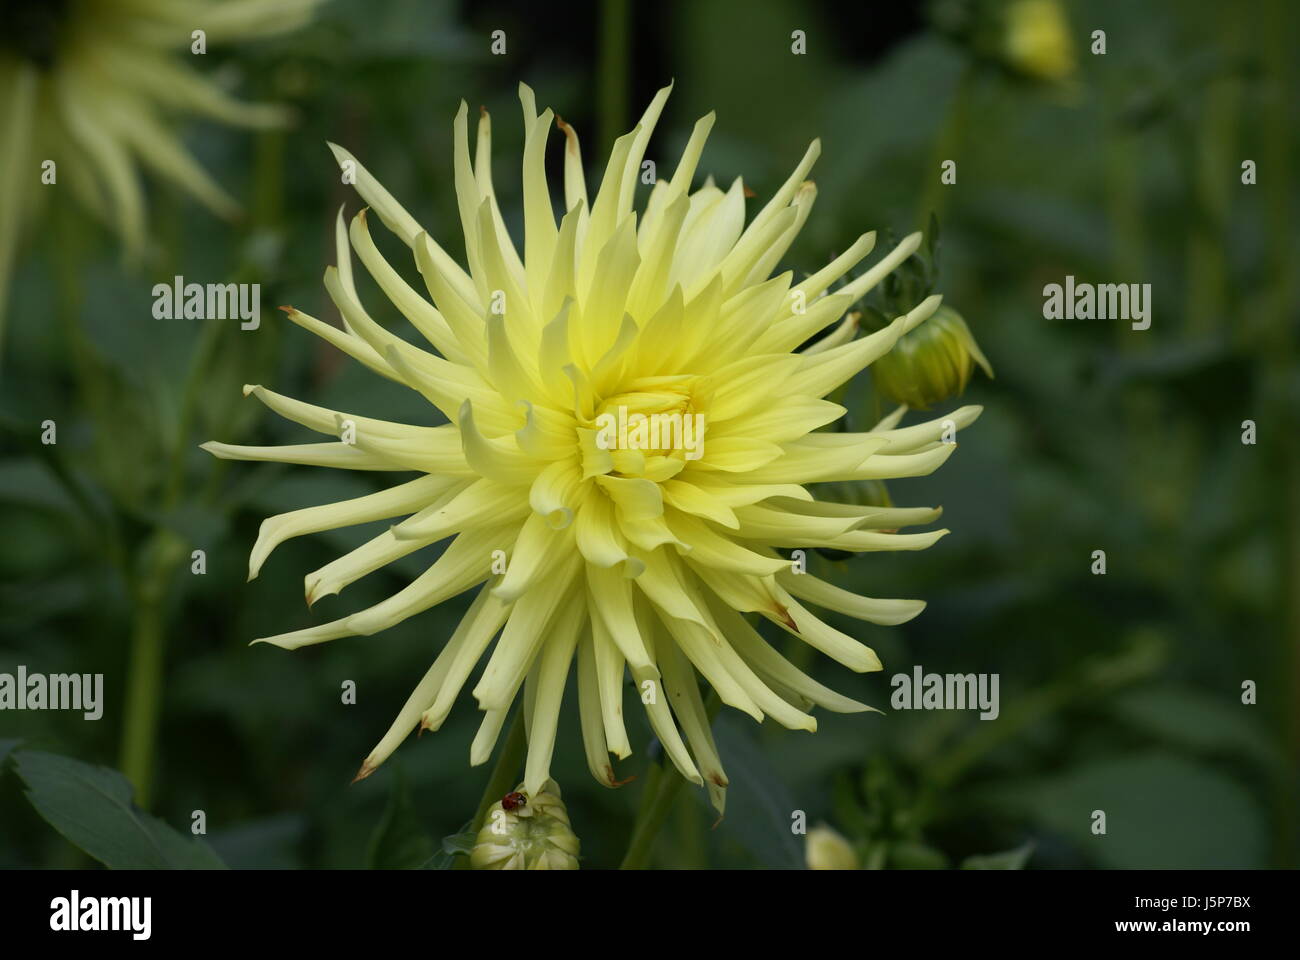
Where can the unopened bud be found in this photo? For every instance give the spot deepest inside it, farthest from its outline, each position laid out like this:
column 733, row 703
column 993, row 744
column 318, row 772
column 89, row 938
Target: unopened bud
column 523, row 832
column 930, row 364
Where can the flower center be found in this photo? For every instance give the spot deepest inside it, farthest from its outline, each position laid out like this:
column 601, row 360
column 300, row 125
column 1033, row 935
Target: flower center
column 655, row 416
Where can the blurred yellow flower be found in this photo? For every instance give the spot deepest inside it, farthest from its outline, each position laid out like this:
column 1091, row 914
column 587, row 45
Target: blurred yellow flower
column 1036, row 41
column 86, row 89
column 825, row 849
column 631, row 435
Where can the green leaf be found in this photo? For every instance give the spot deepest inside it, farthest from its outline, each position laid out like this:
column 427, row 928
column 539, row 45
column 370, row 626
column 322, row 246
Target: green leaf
column 439, row 861
column 1006, row 860
column 758, row 803
column 400, row 840
column 453, row 846
column 911, row 855
column 1163, row 812
column 92, row 808
column 461, row 844
column 1199, row 721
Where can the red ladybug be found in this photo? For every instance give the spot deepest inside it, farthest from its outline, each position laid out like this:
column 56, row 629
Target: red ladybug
column 512, row 801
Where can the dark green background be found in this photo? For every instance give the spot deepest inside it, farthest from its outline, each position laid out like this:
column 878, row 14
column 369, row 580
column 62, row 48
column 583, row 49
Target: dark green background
column 1120, row 693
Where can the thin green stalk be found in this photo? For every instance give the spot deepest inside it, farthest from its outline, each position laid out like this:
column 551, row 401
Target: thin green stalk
column 947, row 144
column 1276, row 344
column 505, row 774
column 663, row 784
column 612, row 70
column 162, row 557
column 1213, row 159
column 691, row 835
column 1128, row 243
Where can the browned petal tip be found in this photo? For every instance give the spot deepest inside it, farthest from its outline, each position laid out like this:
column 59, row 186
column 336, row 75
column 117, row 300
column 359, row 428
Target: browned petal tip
column 784, row 616
column 570, row 135
column 482, row 110
column 366, row 770
column 747, row 192
column 614, row 781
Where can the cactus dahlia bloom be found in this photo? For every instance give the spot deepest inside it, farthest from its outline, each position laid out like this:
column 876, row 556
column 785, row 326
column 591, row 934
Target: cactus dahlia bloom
column 626, row 549
column 88, row 84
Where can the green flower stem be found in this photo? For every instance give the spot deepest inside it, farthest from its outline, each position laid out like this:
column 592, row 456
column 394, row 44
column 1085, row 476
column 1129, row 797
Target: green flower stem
column 612, row 70
column 661, row 789
column 505, row 774
column 13, row 183
column 162, row 557
column 1213, row 168
column 946, row 146
column 663, row 784
column 209, row 337
column 1275, row 343
column 1128, row 242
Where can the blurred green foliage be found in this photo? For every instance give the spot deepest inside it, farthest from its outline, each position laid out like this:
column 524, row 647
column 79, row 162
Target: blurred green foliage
column 1119, row 692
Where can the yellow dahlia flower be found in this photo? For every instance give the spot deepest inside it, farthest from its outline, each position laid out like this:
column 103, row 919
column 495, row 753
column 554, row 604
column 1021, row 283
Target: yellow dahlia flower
column 621, row 549
column 88, row 84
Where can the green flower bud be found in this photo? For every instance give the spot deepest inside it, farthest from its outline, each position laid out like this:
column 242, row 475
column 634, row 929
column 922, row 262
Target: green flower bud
column 524, row 832
column 827, row 850
column 930, row 364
